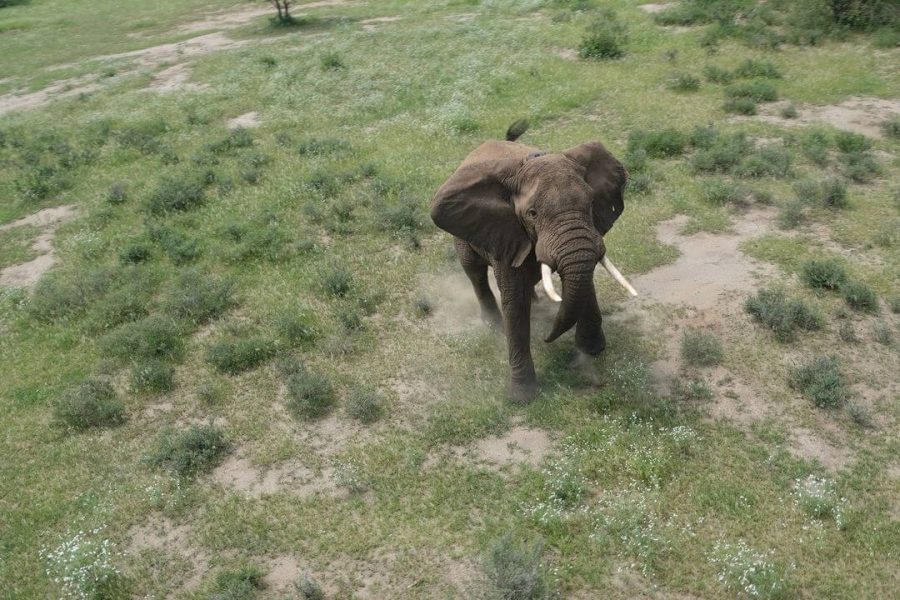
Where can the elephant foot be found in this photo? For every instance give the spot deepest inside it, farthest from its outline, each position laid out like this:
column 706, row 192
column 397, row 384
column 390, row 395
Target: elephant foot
column 593, row 346
column 492, row 318
column 523, row 392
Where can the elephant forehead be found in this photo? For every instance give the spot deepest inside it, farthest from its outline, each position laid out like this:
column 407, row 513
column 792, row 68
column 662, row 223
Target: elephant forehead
column 550, row 172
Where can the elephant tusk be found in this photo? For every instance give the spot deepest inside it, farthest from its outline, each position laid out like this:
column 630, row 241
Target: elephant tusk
column 607, row 264
column 548, row 283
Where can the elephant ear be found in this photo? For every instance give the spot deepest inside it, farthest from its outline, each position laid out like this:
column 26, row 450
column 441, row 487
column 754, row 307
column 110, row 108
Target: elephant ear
column 606, row 177
column 475, row 205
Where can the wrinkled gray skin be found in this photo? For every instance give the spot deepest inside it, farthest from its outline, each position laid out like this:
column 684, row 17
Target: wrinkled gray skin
column 512, row 207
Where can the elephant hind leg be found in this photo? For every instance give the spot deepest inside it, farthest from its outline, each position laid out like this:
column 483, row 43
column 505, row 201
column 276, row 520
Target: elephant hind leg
column 476, row 270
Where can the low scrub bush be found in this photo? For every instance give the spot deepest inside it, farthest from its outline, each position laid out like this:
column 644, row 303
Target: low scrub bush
column 789, row 111
column 332, row 61
column 657, row 144
column 235, row 356
column 847, row 142
column 310, row 395
column 641, row 183
column 605, row 37
column 296, row 327
column 701, row 348
column 758, row 91
column 403, row 216
column 135, row 253
column 739, row 106
column 717, row 153
column 236, row 139
column 768, row 162
column 514, row 570
column 93, row 403
column 117, row 194
column 197, row 298
column 337, row 280
column 881, row 333
column 814, row 145
column 859, row 296
column 238, row 584
column 683, row 82
column 155, row 336
column 860, row 167
column 744, row 570
column 792, row 214
column 891, row 128
column 364, row 405
column 757, row 69
column 821, row 381
column 720, row 192
column 188, row 453
column 715, row 74
column 830, row 193
column 176, row 193
column 60, row 294
column 153, row 376
column 823, row 273
column 772, row 309
column 322, row 147
column 308, row 588
column 635, row 160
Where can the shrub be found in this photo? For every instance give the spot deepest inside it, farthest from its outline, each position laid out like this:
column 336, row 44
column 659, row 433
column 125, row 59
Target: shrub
column 640, row 183
column 774, row 162
column 657, row 144
column 894, row 304
column 860, row 167
column 59, row 295
column 847, row 333
column 716, row 74
column 514, row 570
column 720, row 191
column 337, row 280
column 266, row 241
column 402, row 216
column 239, row 584
column 93, row 403
column 152, row 376
column 763, row 69
column 135, row 253
column 745, row 570
column 808, row 191
column 789, row 111
column 886, row 37
column 683, row 82
column 636, row 160
column 152, row 337
column 198, row 299
column 834, row 193
column 691, row 391
column 826, row 273
column 322, row 147
column 176, row 193
column 739, row 106
column 772, row 309
column 718, row 153
column 332, row 61
column 701, row 348
column 882, row 334
column 848, row 142
column 117, row 193
column 237, row 138
column 605, row 38
column 791, row 215
column 309, row 589
column 891, row 127
column 297, row 329
column 235, row 356
column 423, row 307
column 364, row 405
column 821, row 381
column 188, row 453
column 310, row 395
column 758, row 91
column 859, row 296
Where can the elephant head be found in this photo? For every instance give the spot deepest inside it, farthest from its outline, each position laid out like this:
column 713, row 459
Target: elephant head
column 512, row 202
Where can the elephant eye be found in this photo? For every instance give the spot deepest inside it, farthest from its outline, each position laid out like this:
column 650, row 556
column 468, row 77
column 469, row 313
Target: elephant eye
column 531, row 212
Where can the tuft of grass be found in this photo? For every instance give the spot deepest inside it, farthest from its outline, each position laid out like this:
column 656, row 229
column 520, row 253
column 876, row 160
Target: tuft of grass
column 153, row 376
column 332, row 61
column 117, row 194
column 847, row 142
column 308, row 588
column 691, row 391
column 155, row 336
column 701, row 348
column 772, row 162
column 514, row 570
column 891, row 127
column 640, row 184
column 337, row 280
column 860, row 167
column 238, row 584
column 859, row 296
column 91, row 404
column 364, row 405
column 792, row 214
column 716, row 74
column 683, row 82
column 823, row 273
column 605, row 37
column 757, row 69
column 821, row 381
column 296, row 328
column 176, row 193
column 635, row 161
column 847, row 333
column 740, row 106
column 191, row 452
column 758, row 91
column 881, row 333
column 310, row 395
column 717, row 153
column 830, row 193
column 198, row 299
column 657, row 144
column 719, row 191
column 234, row 356
column 789, row 111
column 772, row 309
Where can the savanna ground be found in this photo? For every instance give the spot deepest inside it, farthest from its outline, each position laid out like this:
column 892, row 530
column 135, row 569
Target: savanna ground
column 238, row 361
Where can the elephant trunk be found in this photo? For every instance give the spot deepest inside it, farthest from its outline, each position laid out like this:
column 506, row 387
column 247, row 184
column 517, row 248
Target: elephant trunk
column 576, row 270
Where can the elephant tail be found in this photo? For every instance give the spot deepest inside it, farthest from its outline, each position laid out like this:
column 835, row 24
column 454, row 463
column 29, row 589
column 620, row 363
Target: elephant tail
column 516, row 130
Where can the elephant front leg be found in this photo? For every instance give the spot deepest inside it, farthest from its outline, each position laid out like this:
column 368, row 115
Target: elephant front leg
column 515, row 297
column 589, row 336
column 476, row 270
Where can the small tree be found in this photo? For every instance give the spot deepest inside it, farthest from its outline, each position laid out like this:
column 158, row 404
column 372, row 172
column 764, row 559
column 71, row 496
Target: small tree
column 283, row 6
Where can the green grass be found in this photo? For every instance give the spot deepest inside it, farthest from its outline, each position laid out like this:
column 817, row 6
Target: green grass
column 312, row 231
column 821, row 381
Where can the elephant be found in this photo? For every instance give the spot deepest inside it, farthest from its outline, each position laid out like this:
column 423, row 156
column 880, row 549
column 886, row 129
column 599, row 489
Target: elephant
column 527, row 213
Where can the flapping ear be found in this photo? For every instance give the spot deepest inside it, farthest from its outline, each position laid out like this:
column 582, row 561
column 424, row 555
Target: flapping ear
column 606, row 177
column 475, row 205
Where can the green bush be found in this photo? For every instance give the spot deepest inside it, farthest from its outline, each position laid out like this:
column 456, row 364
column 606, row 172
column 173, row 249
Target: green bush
column 715, row 74
column 821, row 381
column 859, row 296
column 322, row 147
column 825, row 273
column 752, row 69
column 297, row 328
column 402, row 216
column 239, row 584
column 718, row 153
column 683, row 82
column 135, row 253
column 720, row 192
column 60, row 294
column 789, row 111
column 309, row 589
column 176, row 193
column 834, row 193
column 514, row 570
column 310, row 395
column 198, row 299
column 701, row 348
column 117, row 194
column 657, row 144
column 635, row 161
column 236, row 139
column 772, row 309
column 881, row 333
column 860, row 167
column 772, row 162
column 337, row 280
column 332, row 61
column 886, row 37
column 758, row 91
column 848, row 142
column 641, row 183
column 235, row 356
column 792, row 214
column 152, row 376
column 364, row 405
column 740, row 106
column 605, row 38
column 188, row 453
column 155, row 336
column 93, row 403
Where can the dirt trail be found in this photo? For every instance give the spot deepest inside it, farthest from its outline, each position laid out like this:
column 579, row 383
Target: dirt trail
column 27, row 274
column 857, row 114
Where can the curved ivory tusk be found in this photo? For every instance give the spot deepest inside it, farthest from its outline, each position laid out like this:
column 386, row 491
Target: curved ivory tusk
column 607, row 264
column 548, row 283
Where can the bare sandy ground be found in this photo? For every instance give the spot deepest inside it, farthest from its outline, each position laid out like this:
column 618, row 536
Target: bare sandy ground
column 27, row 274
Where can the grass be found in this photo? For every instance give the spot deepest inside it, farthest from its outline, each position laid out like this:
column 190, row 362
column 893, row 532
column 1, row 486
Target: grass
column 605, row 38
column 701, row 348
column 188, row 453
column 657, row 144
column 91, row 404
column 514, row 570
column 783, row 316
column 859, row 296
column 821, row 381
column 683, row 82
column 152, row 337
column 364, row 405
column 823, row 273
column 310, row 395
column 637, row 485
column 234, row 356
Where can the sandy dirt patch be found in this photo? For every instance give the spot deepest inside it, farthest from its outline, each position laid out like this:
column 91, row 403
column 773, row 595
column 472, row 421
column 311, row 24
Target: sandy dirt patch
column 519, row 447
column 811, row 446
column 238, row 474
column 246, row 121
column 27, row 274
column 656, row 8
column 160, row 535
column 66, row 88
column 372, row 24
column 857, row 114
column 173, row 79
column 228, row 19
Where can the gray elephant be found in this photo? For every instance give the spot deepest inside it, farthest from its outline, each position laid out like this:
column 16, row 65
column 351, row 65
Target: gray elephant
column 527, row 213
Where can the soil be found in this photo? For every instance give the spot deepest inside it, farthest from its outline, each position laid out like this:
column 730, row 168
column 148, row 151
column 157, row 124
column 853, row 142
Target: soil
column 246, row 121
column 371, row 24
column 27, row 274
column 161, row 535
column 655, row 8
column 857, row 114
